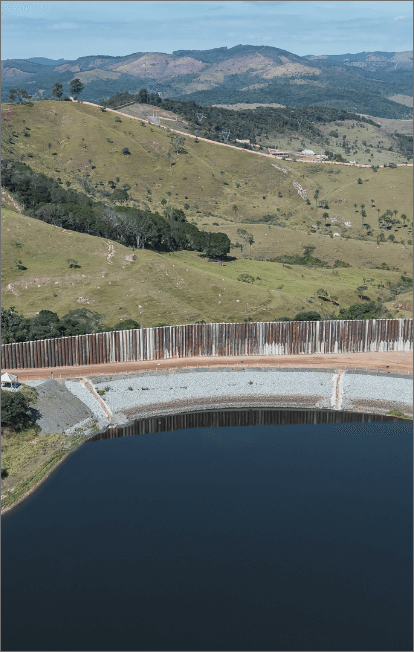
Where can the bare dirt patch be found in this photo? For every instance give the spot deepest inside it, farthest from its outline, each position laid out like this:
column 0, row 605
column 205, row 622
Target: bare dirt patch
column 389, row 361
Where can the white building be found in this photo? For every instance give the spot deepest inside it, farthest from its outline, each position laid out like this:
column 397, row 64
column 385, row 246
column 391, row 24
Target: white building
column 308, row 151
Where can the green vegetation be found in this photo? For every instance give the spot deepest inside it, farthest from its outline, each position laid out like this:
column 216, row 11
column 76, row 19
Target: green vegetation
column 308, row 94
column 183, row 286
column 14, row 409
column 67, row 208
column 398, row 413
column 223, row 191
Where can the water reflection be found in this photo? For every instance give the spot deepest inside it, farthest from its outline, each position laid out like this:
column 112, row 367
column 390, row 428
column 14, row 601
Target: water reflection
column 238, row 417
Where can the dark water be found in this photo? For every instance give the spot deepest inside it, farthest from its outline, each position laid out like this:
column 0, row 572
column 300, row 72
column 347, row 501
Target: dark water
column 262, row 537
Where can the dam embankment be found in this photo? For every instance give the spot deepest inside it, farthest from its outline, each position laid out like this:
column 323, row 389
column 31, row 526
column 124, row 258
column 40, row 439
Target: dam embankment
column 121, row 399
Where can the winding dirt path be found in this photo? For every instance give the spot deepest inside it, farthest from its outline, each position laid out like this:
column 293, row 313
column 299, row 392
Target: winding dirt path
column 390, row 361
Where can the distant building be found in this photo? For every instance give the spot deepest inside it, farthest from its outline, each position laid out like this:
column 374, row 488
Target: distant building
column 320, row 156
column 308, row 151
column 279, row 152
column 243, row 141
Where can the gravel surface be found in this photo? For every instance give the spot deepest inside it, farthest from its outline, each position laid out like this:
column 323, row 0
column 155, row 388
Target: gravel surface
column 199, row 385
column 64, row 406
column 57, row 408
column 358, row 386
column 83, row 394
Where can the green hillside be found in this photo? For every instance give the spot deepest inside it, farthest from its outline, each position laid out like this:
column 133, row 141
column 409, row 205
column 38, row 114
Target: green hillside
column 174, row 288
column 205, row 179
column 225, row 189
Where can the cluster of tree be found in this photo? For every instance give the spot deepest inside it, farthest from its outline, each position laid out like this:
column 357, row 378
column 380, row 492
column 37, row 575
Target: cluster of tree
column 47, row 325
column 366, row 310
column 75, row 88
column 250, row 124
column 308, row 259
column 388, row 220
column 44, row 199
column 296, row 95
column 404, row 145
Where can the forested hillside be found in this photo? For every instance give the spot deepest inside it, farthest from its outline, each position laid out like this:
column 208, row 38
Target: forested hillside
column 244, row 73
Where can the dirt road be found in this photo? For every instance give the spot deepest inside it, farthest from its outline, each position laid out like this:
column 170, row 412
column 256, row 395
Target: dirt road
column 391, row 361
column 206, row 140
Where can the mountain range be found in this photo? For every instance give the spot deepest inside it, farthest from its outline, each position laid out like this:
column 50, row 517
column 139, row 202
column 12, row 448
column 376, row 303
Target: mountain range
column 363, row 82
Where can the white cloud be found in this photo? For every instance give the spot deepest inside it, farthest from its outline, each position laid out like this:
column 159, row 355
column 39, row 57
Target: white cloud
column 64, row 26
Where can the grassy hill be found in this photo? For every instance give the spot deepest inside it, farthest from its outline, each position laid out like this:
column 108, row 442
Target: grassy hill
column 173, row 288
column 86, row 151
column 225, row 189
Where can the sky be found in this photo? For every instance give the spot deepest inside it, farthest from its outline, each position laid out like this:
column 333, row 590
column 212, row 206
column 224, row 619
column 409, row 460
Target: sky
column 72, row 29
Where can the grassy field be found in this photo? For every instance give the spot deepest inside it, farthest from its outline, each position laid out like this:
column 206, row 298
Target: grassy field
column 225, row 189
column 28, row 457
column 212, row 180
column 407, row 100
column 181, row 287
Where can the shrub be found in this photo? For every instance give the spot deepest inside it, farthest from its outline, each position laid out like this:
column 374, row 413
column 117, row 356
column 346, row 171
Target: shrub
column 126, row 324
column 310, row 315
column 246, row 278
column 368, row 310
column 126, row 151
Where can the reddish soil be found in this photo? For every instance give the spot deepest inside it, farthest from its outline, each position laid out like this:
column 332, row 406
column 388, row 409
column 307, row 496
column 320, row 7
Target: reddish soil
column 391, row 361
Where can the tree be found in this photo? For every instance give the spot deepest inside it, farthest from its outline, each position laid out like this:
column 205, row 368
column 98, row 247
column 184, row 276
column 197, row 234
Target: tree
column 14, row 410
column 20, row 94
column 143, row 96
column 315, row 196
column 57, row 90
column 242, row 233
column 76, row 87
column 361, row 311
column 11, row 325
column 250, row 241
column 119, row 195
column 177, row 142
column 142, row 228
column 85, row 320
column 359, row 180
column 360, row 290
column 216, row 245
column 126, row 151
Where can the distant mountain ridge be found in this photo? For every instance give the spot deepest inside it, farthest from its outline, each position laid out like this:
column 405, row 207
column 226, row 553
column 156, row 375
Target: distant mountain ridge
column 230, row 75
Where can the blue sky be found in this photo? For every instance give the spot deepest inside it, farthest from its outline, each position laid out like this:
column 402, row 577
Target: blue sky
column 72, row 29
